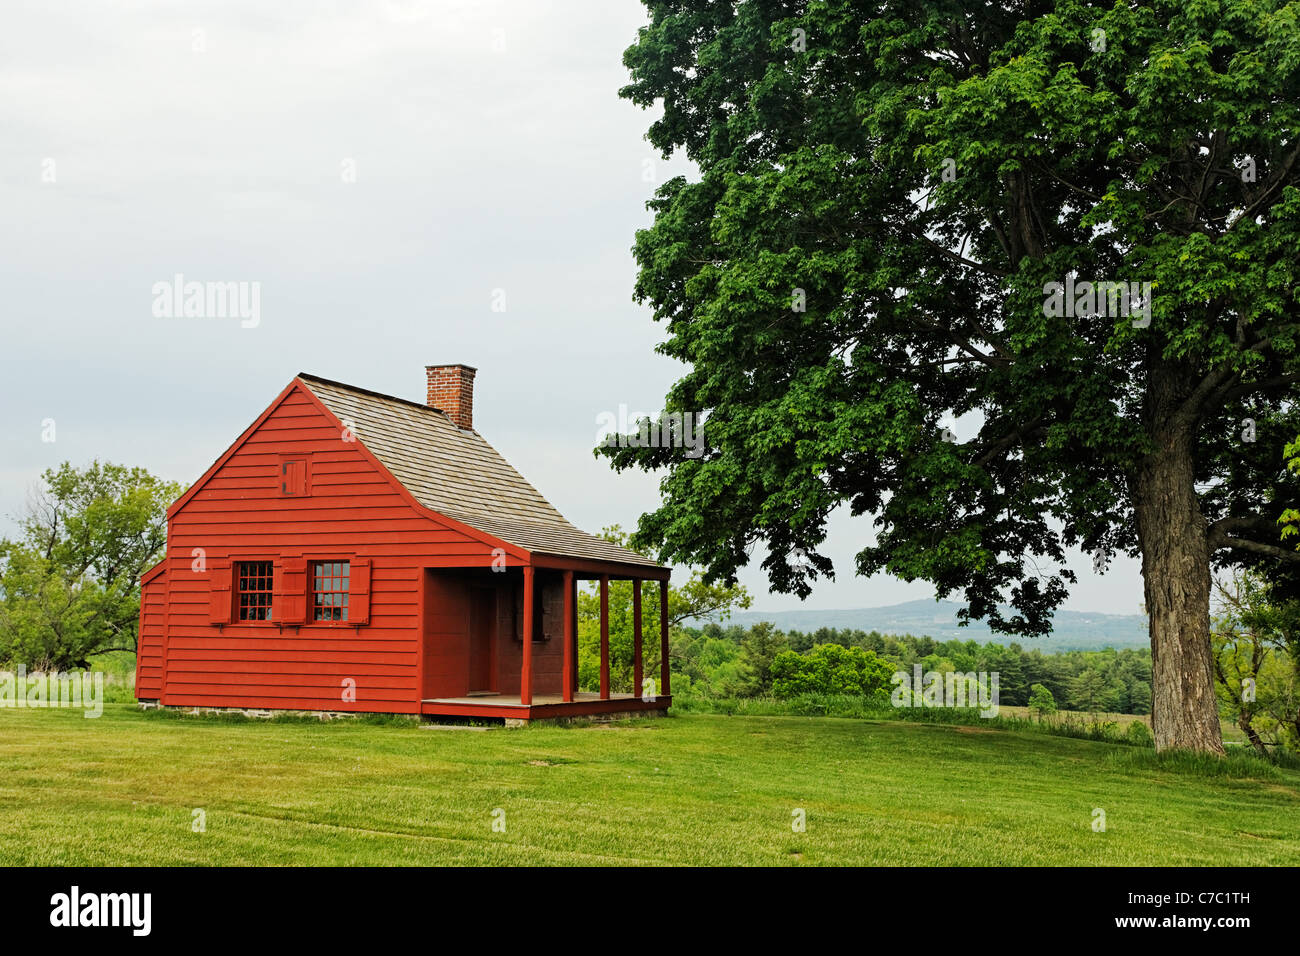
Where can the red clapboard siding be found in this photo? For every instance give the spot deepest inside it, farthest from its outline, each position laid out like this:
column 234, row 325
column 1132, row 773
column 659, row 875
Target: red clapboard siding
column 149, row 649
column 352, row 512
column 193, row 698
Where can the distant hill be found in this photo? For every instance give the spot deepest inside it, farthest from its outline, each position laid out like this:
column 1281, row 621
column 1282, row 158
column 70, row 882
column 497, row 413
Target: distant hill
column 1073, row 630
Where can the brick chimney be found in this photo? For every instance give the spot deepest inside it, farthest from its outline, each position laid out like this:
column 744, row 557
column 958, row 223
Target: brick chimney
column 451, row 390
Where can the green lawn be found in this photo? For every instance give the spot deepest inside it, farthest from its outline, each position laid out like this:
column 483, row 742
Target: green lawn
column 697, row 789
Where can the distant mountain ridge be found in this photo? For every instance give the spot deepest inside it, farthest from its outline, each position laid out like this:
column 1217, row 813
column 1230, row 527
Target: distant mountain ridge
column 1072, row 630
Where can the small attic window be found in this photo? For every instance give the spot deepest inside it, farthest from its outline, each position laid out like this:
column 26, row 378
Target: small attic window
column 294, row 478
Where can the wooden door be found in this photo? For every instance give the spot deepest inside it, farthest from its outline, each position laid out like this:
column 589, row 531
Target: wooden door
column 446, row 636
column 482, row 640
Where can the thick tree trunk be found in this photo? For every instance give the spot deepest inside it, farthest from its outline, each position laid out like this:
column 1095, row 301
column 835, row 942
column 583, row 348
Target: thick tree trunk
column 1176, row 579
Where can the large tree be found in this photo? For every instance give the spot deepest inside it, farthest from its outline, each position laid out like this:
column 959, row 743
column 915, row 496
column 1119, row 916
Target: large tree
column 885, row 194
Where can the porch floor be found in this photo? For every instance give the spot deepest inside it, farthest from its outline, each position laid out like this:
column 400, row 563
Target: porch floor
column 584, row 703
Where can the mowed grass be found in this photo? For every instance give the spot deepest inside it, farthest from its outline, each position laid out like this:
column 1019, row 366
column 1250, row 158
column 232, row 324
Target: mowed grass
column 696, row 789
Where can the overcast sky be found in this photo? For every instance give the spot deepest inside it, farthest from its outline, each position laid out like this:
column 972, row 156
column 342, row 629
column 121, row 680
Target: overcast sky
column 387, row 171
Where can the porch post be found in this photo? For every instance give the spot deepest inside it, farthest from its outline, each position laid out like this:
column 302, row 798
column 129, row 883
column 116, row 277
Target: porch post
column 573, row 637
column 568, row 636
column 637, row 675
column 526, row 672
column 604, row 637
column 663, row 638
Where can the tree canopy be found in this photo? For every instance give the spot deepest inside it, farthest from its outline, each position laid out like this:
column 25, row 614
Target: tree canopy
column 70, row 583
column 895, row 288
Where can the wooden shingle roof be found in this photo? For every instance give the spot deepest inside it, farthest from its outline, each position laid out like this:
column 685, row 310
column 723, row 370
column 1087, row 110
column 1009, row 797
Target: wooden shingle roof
column 455, row 472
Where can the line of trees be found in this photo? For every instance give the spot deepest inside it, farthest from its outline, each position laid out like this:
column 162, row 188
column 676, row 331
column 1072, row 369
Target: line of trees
column 734, row 662
column 69, row 590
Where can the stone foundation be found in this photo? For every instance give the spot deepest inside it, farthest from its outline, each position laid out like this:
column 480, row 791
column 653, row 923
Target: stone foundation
column 267, row 714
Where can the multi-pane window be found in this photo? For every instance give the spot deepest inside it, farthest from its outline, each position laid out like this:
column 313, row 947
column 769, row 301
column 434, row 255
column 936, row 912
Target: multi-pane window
column 540, row 615
column 255, row 585
column 329, row 590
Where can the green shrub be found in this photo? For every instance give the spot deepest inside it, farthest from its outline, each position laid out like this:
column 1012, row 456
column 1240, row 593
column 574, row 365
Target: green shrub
column 1041, row 701
column 1139, row 735
column 830, row 669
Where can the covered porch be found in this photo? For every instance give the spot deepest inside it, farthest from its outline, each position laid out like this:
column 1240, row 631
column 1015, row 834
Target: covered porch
column 500, row 674
column 542, row 706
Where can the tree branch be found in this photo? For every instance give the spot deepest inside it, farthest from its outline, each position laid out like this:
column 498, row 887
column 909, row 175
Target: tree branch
column 1278, row 177
column 1255, row 547
column 955, row 257
column 1250, row 388
column 1009, row 441
column 1218, row 533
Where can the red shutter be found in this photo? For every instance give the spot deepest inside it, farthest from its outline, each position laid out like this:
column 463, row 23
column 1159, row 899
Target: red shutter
column 290, row 591
column 359, row 592
column 221, row 605
column 293, row 477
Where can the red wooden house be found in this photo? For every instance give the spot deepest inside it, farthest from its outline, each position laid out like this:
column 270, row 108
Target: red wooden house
column 352, row 551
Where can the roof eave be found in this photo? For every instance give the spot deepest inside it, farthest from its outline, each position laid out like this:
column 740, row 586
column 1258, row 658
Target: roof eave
column 615, row 569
